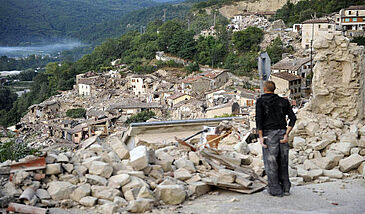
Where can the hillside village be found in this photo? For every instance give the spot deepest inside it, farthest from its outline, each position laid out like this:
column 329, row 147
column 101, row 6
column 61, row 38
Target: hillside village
column 106, row 162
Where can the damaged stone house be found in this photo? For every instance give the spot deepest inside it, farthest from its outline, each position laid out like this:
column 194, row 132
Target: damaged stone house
column 231, row 108
column 177, row 98
column 287, row 85
column 43, row 111
column 188, row 109
column 88, row 83
column 126, row 108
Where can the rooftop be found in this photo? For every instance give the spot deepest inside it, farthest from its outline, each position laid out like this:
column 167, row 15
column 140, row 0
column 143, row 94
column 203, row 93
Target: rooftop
column 356, row 7
column 175, row 96
column 315, row 21
column 291, row 64
column 286, row 76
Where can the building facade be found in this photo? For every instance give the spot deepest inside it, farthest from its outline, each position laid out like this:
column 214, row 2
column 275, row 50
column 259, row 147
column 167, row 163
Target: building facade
column 316, row 29
column 352, row 21
column 287, row 85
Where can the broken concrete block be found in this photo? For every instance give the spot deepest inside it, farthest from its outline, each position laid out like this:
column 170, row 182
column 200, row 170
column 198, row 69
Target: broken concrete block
column 325, row 162
column 333, row 173
column 80, row 170
column 88, row 201
column 42, row 194
column 349, row 138
column 103, row 192
column 121, row 202
column 199, row 188
column 193, row 179
column 60, row 190
column 135, row 183
column 139, row 157
column 87, row 162
column 145, row 192
column 243, row 181
column 108, row 208
column 119, row 147
column 53, row 169
column 131, row 194
column 315, row 173
column 335, row 156
column 361, row 168
column 242, row 148
column 80, row 192
column 140, row 205
column 185, row 163
column 62, row 158
column 320, row 145
column 182, row 174
column 299, row 144
column 96, row 180
column 255, row 148
column 171, row 194
column 51, row 158
column 226, row 176
column 351, row 162
column 312, row 128
column 68, row 167
column 309, row 164
column 120, row 180
column 344, row 148
column 156, row 172
column 292, row 172
column 193, row 156
column 100, row 168
column 10, row 190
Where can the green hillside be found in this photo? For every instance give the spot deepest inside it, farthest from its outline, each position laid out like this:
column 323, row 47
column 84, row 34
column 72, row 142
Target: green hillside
column 24, row 22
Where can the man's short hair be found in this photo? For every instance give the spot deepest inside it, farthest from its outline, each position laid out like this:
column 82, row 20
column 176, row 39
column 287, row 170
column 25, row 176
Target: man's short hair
column 270, row 86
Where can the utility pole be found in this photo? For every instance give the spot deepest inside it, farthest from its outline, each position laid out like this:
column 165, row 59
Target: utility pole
column 164, row 15
column 188, row 24
column 313, row 19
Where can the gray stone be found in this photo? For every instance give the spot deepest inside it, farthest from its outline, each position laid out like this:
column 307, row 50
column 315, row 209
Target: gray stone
column 351, row 162
column 312, row 128
column 120, row 180
column 293, row 172
column 309, row 164
column 68, row 167
column 80, row 192
column 100, row 168
column 199, row 188
column 194, row 158
column 80, row 170
column 185, row 163
column 62, row 158
column 119, row 147
column 182, row 174
column 361, row 168
column 121, row 202
column 320, row 145
column 333, row 173
column 139, row 157
column 140, row 205
column 145, row 192
column 255, row 148
column 87, row 162
column 42, row 194
column 103, row 192
column 325, row 162
column 171, row 194
column 134, row 183
column 53, row 169
column 336, row 156
column 88, row 201
column 108, row 208
column 10, row 190
column 51, row 158
column 299, row 143
column 226, row 176
column 96, row 180
column 315, row 173
column 344, row 148
column 349, row 138
column 59, row 190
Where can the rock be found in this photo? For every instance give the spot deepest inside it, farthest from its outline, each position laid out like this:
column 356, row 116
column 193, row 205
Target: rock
column 96, row 148
column 361, row 168
column 87, row 163
column 199, row 188
column 42, row 194
column 293, row 172
column 10, row 190
column 62, row 158
column 140, row 205
column 315, row 173
column 185, row 163
column 51, row 158
column 226, row 176
column 131, row 194
column 297, row 181
column 255, row 148
column 361, row 142
column 182, row 174
column 68, row 167
column 120, row 180
column 88, row 201
column 96, row 180
column 344, row 148
column 362, row 152
column 135, row 183
column 320, row 145
column 80, row 192
column 362, row 131
column 171, row 194
column 139, row 157
column 349, row 138
column 309, row 164
column 80, row 170
column 20, row 176
column 193, row 179
column 241, row 147
column 355, row 151
column 53, row 169
column 193, row 157
column 100, row 168
column 333, row 173
column 329, row 136
column 108, row 208
column 60, row 190
column 145, row 192
column 335, row 156
column 103, row 192
column 325, row 162
column 121, row 202
column 119, row 147
column 312, row 128
column 299, row 144
column 156, row 172
column 351, row 162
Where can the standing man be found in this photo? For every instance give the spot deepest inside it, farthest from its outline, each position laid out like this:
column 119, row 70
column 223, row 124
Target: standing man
column 273, row 130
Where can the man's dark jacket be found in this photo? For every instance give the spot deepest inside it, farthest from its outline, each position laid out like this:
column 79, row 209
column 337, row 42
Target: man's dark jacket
column 271, row 111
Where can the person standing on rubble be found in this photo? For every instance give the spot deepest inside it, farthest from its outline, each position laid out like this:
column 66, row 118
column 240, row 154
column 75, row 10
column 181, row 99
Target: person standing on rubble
column 273, row 130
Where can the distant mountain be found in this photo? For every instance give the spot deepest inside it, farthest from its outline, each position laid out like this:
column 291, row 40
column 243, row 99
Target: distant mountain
column 25, row 22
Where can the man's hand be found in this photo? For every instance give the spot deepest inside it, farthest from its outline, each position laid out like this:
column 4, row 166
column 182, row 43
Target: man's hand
column 285, row 139
column 261, row 140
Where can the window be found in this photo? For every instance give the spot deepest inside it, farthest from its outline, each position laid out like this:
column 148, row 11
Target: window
column 347, row 20
column 329, row 26
column 354, row 19
column 319, row 26
column 76, row 135
column 350, row 12
column 133, row 80
column 303, row 75
column 306, row 46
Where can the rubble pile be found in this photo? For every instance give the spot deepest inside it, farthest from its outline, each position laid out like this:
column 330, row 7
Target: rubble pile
column 252, row 21
column 329, row 136
column 107, row 177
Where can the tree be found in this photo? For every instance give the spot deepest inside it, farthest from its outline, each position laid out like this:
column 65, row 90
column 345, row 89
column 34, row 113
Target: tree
column 7, row 98
column 275, row 50
column 248, row 39
column 76, row 113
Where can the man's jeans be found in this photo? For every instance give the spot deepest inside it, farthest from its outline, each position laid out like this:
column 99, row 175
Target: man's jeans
column 276, row 161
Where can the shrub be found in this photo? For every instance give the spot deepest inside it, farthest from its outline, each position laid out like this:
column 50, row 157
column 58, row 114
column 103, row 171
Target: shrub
column 76, row 113
column 140, row 117
column 16, row 150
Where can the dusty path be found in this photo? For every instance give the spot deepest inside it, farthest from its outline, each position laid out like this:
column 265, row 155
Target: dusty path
column 349, row 195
